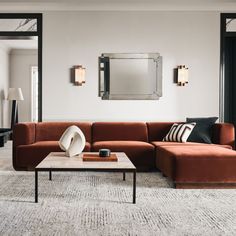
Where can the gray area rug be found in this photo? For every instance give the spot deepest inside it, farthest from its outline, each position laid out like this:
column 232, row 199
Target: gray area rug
column 91, row 203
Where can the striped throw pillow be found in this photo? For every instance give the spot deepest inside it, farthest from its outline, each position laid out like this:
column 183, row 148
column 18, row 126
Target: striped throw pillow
column 179, row 132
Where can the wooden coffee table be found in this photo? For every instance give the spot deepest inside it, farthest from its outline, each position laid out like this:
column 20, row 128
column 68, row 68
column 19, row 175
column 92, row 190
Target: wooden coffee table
column 57, row 161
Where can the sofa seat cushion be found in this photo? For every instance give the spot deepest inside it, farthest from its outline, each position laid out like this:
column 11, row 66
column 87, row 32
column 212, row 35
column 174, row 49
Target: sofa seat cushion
column 31, row 155
column 197, row 164
column 162, row 143
column 140, row 153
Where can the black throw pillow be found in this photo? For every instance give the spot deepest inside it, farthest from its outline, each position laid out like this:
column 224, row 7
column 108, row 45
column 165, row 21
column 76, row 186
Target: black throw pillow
column 202, row 132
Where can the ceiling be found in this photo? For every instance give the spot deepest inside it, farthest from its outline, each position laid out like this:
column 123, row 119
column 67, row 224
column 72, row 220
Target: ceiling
column 123, row 5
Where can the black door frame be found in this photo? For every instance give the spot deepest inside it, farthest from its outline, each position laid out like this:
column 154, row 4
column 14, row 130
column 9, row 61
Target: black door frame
column 223, row 35
column 37, row 33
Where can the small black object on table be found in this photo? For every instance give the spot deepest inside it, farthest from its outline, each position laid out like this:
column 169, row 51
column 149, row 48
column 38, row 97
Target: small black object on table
column 104, row 152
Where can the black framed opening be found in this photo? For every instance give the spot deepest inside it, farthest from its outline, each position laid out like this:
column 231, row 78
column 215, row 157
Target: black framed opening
column 22, row 34
column 228, row 70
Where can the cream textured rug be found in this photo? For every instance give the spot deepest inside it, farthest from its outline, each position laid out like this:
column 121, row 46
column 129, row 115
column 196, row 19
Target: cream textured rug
column 91, row 203
column 100, row 204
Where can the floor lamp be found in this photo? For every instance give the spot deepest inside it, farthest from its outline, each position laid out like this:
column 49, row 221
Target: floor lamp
column 14, row 95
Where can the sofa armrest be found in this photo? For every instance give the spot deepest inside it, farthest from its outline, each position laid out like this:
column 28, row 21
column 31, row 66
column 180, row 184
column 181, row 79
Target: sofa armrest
column 23, row 134
column 224, row 134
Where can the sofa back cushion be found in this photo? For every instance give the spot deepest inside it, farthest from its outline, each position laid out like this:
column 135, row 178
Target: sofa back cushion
column 52, row 131
column 110, row 131
column 158, row 130
column 223, row 133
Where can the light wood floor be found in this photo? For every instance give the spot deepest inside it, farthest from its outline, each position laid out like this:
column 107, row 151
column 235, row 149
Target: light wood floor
column 6, row 157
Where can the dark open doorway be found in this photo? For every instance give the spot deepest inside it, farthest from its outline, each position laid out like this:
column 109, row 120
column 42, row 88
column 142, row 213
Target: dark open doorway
column 26, row 26
column 228, row 68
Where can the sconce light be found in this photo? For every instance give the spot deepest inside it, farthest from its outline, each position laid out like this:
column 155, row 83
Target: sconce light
column 79, row 75
column 182, row 75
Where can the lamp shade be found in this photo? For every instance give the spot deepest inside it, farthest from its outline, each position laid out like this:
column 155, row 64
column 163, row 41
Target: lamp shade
column 15, row 94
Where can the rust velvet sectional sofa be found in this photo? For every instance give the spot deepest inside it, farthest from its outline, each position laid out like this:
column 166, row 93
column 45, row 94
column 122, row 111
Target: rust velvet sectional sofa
column 187, row 164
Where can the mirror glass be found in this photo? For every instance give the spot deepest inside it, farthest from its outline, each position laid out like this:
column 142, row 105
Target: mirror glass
column 130, row 76
column 230, row 25
column 20, row 25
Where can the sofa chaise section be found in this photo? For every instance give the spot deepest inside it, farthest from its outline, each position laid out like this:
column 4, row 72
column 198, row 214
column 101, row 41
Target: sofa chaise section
column 222, row 136
column 128, row 137
column 32, row 142
column 198, row 166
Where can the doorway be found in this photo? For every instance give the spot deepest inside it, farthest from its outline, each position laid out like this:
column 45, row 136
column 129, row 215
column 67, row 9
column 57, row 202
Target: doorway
column 26, row 27
column 228, row 68
column 230, row 80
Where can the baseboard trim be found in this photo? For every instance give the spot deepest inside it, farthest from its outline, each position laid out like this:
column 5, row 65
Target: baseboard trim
column 213, row 185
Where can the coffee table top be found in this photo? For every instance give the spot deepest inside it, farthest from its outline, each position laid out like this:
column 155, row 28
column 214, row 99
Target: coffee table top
column 58, row 161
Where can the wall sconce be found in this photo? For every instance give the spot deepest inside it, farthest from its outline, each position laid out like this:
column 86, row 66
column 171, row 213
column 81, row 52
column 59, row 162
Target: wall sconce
column 79, row 75
column 181, row 75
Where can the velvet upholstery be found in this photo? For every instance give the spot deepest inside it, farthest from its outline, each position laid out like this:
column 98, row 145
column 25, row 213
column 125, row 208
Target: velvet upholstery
column 32, row 142
column 31, row 155
column 158, row 130
column 223, row 133
column 112, row 131
column 197, row 164
column 128, row 137
column 57, row 128
column 140, row 153
column 159, row 159
column 142, row 142
column 23, row 133
column 161, row 144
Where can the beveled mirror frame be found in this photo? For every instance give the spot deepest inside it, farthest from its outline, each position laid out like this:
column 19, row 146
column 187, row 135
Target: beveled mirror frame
column 104, row 76
column 38, row 33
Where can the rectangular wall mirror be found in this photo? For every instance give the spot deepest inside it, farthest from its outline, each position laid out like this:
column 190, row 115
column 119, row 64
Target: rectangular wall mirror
column 130, row 76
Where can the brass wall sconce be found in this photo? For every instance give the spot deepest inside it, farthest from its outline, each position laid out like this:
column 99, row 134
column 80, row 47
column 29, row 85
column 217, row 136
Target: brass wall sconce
column 79, row 75
column 181, row 75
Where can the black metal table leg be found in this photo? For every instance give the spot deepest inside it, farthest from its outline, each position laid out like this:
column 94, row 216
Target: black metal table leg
column 50, row 175
column 123, row 176
column 134, row 187
column 36, row 186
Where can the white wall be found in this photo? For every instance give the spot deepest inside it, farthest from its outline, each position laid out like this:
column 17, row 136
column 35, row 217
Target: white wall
column 71, row 38
column 4, row 79
column 21, row 61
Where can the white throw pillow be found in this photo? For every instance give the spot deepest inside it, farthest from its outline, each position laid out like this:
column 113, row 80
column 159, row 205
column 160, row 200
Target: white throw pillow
column 179, row 132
